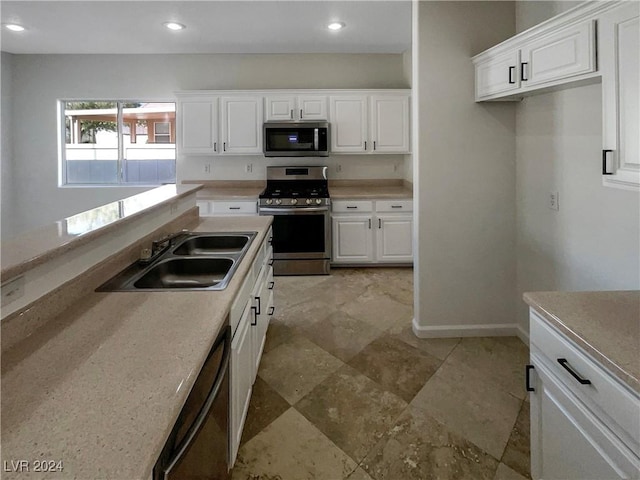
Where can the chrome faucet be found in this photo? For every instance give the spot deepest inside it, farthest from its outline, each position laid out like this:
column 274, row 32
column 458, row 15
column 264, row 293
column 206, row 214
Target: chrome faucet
column 158, row 247
column 167, row 239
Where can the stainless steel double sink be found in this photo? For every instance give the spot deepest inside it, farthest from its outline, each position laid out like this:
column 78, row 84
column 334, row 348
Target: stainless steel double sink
column 195, row 261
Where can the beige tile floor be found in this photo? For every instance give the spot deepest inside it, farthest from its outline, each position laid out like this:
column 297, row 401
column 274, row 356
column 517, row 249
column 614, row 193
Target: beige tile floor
column 345, row 390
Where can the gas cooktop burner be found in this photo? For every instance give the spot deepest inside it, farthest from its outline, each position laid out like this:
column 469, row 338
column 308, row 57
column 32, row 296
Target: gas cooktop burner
column 295, row 187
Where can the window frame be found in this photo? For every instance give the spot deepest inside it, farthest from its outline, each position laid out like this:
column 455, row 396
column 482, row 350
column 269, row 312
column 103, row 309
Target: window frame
column 62, row 160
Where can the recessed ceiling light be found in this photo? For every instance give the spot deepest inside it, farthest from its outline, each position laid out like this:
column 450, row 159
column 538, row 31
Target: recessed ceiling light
column 14, row 27
column 174, row 26
column 335, row 26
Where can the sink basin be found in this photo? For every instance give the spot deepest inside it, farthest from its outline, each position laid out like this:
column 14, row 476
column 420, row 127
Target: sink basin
column 211, row 244
column 183, row 273
column 198, row 261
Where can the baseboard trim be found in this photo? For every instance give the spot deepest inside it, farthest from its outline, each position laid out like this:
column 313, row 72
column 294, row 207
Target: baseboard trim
column 523, row 335
column 486, row 330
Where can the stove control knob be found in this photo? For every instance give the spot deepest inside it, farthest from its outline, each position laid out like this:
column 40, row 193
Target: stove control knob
column 268, row 201
column 318, row 201
column 308, row 201
column 294, row 201
column 278, row 201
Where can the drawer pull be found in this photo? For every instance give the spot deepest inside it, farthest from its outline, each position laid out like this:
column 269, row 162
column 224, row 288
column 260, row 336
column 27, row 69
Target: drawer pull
column 271, row 284
column 396, row 206
column 254, row 322
column 271, row 310
column 234, row 208
column 348, row 206
column 565, row 364
column 527, row 381
column 258, row 310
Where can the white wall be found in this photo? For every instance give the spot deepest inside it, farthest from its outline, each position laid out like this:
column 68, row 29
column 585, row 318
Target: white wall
column 6, row 145
column 464, row 176
column 593, row 241
column 40, row 80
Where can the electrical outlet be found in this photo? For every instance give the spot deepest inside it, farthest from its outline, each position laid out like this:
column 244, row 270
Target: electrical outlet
column 338, row 168
column 249, row 168
column 554, row 201
column 207, row 168
column 12, row 290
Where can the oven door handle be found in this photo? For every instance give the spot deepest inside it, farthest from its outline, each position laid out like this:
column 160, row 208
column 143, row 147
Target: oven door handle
column 300, row 211
column 204, row 411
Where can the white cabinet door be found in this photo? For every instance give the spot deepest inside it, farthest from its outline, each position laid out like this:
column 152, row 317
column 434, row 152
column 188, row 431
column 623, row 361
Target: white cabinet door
column 567, row 441
column 281, row 107
column 241, row 125
column 352, row 239
column 394, row 238
column 262, row 324
column 620, row 61
column 390, row 123
column 241, row 378
column 198, row 126
column 312, row 107
column 348, row 123
column 566, row 52
column 498, row 75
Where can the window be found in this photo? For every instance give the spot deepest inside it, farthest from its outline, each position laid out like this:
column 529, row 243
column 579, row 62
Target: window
column 116, row 142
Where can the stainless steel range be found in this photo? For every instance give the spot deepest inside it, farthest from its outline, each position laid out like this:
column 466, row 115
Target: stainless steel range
column 298, row 198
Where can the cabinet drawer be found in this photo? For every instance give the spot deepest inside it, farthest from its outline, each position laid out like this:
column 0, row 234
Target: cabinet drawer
column 233, row 207
column 352, row 206
column 394, row 205
column 606, row 395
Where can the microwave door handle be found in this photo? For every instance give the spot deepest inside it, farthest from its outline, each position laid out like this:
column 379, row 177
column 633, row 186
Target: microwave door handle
column 204, row 411
column 316, row 140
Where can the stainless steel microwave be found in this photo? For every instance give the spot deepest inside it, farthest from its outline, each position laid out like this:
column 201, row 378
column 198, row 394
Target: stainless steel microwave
column 296, row 139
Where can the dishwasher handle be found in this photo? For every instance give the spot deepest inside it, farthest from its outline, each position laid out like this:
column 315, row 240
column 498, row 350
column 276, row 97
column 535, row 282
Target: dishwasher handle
column 204, row 411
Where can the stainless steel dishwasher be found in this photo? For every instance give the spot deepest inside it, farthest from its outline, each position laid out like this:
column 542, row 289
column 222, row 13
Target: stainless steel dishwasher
column 198, row 446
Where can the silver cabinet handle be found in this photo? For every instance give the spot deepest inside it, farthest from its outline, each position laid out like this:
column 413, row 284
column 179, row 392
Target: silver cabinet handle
column 300, row 113
column 369, row 224
column 292, row 114
column 215, row 146
column 379, row 223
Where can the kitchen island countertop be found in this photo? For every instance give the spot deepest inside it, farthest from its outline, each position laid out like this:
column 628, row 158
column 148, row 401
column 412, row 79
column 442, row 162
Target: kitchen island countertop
column 100, row 386
column 605, row 324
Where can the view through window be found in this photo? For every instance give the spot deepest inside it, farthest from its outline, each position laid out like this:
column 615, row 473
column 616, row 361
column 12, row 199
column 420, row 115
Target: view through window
column 115, row 142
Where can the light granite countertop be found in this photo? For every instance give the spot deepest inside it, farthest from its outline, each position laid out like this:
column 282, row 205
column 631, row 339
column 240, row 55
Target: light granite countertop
column 43, row 244
column 605, row 324
column 101, row 385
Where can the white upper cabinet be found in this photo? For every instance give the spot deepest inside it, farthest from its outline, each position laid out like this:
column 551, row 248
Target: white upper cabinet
column 349, row 126
column 241, row 124
column 377, row 123
column 620, row 62
column 291, row 107
column 231, row 122
column 390, row 123
column 565, row 53
column 312, row 107
column 198, row 126
column 279, row 108
column 498, row 74
column 558, row 51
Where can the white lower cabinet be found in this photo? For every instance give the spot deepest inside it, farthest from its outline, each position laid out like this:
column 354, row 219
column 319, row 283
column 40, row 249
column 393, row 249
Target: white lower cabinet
column 584, row 422
column 372, row 232
column 249, row 318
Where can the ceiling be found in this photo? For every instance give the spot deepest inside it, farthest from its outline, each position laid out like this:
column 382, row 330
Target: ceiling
column 238, row 26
